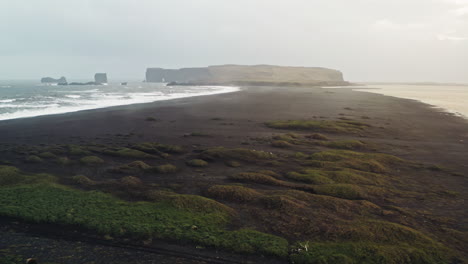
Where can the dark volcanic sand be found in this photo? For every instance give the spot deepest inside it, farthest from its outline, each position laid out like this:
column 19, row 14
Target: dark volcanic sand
column 405, row 128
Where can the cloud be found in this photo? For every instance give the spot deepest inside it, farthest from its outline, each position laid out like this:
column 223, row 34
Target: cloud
column 385, row 24
column 443, row 37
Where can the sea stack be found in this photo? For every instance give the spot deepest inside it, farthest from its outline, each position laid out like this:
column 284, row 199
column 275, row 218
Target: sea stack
column 100, row 78
column 49, row 80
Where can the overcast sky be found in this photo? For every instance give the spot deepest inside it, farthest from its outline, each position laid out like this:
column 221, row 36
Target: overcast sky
column 368, row 40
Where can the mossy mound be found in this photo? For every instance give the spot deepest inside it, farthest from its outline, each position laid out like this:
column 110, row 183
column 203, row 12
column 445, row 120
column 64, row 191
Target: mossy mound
column 91, row 160
column 12, row 176
column 369, row 162
column 319, row 125
column 311, row 176
column 256, row 177
column 184, row 218
column 47, row 155
column 33, row 159
column 131, row 181
column 129, row 153
column 157, row 148
column 233, row 193
column 248, row 155
column 197, row 163
column 132, row 167
column 318, row 136
column 83, row 180
column 362, row 252
column 281, row 144
column 344, row 144
column 345, row 191
column 166, row 168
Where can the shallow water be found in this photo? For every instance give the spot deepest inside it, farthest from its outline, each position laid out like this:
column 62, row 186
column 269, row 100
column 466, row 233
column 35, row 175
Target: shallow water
column 20, row 99
column 450, row 98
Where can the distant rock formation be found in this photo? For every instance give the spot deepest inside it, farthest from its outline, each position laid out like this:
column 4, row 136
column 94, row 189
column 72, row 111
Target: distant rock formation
column 50, row 80
column 248, row 75
column 100, row 78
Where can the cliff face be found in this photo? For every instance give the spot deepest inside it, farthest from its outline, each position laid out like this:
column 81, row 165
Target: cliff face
column 235, row 74
column 100, row 78
column 52, row 80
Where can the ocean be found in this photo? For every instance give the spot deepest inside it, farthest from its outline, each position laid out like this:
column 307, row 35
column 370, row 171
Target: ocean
column 19, row 99
column 449, row 98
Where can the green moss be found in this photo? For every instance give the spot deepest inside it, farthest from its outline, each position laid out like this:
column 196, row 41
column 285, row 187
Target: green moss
column 310, row 176
column 47, row 155
column 197, row 163
column 131, row 181
column 233, row 193
column 370, row 162
column 344, row 144
column 345, row 191
column 132, row 167
column 91, row 160
column 256, row 178
column 232, row 163
column 320, row 125
column 166, row 168
column 33, row 159
column 157, row 148
column 129, row 153
column 76, row 150
column 12, row 176
column 83, row 180
column 371, row 253
column 62, row 161
column 179, row 219
column 236, row 154
column 318, row 136
column 281, row 144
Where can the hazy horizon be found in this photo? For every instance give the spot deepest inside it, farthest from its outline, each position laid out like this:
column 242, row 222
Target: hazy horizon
column 368, row 40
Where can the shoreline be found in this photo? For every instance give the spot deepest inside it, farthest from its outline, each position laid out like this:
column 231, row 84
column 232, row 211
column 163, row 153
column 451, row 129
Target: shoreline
column 419, row 97
column 65, row 110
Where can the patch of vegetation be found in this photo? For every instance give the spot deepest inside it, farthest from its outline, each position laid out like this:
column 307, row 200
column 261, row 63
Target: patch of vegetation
column 83, row 180
column 62, row 161
column 310, row 176
column 370, row 162
column 178, row 220
column 362, row 252
column 132, row 167
column 199, row 134
column 318, row 136
column 256, row 177
column 76, row 150
column 281, row 144
column 319, row 125
column 344, row 144
column 129, row 153
column 232, row 163
column 345, row 191
column 12, row 176
column 165, row 169
column 197, row 163
column 243, row 154
column 47, row 155
column 232, row 193
column 91, row 160
column 157, row 148
column 131, row 181
column 33, row 159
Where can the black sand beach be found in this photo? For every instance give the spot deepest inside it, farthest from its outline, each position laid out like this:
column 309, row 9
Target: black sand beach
column 407, row 129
